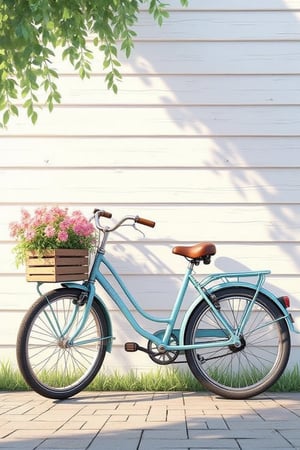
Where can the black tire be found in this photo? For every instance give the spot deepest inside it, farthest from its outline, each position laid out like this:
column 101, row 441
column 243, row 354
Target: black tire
column 49, row 366
column 256, row 366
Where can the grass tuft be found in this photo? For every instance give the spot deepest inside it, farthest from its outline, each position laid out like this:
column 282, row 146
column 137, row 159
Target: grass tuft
column 11, row 379
column 158, row 380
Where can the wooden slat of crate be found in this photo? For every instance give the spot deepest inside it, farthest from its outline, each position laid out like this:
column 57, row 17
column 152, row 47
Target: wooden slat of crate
column 57, row 265
column 56, row 261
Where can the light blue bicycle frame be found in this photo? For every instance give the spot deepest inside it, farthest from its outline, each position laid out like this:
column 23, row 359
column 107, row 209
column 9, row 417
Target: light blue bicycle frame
column 227, row 335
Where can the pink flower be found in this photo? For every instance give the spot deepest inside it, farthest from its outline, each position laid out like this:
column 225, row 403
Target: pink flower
column 83, row 228
column 65, row 224
column 25, row 218
column 29, row 234
column 49, row 231
column 24, row 214
column 14, row 228
column 59, row 212
column 62, row 236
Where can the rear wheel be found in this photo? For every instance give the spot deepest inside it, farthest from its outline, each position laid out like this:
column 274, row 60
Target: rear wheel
column 51, row 365
column 260, row 360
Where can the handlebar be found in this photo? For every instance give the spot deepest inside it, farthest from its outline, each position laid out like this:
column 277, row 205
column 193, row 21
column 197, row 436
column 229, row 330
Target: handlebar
column 97, row 213
column 102, row 213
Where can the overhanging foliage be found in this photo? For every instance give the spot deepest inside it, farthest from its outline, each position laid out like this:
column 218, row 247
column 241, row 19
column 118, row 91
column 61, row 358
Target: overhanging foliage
column 31, row 30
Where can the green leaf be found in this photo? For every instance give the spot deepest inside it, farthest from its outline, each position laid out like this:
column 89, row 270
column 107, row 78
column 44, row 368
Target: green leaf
column 57, row 97
column 106, row 63
column 117, row 74
column 116, row 63
column 14, row 110
column 53, row 73
column 82, row 72
column 28, row 103
column 6, row 117
column 34, row 117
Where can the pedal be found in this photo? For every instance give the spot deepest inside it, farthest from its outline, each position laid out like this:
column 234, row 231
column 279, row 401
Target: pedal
column 131, row 347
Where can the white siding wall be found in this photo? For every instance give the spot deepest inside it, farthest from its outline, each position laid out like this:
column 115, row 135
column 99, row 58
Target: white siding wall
column 203, row 137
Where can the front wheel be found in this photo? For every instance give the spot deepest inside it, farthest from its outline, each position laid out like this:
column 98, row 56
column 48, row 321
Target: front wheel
column 249, row 370
column 49, row 363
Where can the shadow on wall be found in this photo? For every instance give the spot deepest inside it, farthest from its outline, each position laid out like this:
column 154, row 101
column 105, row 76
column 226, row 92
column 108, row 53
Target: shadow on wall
column 242, row 109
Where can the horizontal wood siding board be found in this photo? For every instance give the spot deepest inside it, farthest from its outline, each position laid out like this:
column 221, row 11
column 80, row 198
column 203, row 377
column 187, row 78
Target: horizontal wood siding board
column 204, row 58
column 215, row 25
column 217, row 222
column 159, row 187
column 157, row 258
column 149, row 152
column 164, row 121
column 183, row 90
column 236, row 5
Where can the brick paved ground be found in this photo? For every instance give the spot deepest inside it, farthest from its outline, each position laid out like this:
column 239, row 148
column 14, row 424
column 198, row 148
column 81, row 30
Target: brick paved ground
column 149, row 421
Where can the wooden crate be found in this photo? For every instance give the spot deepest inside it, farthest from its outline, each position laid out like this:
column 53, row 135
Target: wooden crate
column 57, row 265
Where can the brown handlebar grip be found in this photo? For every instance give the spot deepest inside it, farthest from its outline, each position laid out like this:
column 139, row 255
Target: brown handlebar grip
column 146, row 222
column 106, row 214
column 103, row 213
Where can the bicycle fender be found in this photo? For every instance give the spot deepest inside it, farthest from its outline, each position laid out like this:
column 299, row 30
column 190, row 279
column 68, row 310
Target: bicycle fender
column 225, row 285
column 252, row 286
column 82, row 287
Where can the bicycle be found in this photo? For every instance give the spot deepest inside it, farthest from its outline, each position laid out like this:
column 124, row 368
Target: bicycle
column 235, row 335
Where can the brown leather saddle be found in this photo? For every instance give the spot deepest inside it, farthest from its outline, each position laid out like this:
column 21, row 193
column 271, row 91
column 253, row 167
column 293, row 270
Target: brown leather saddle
column 196, row 253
